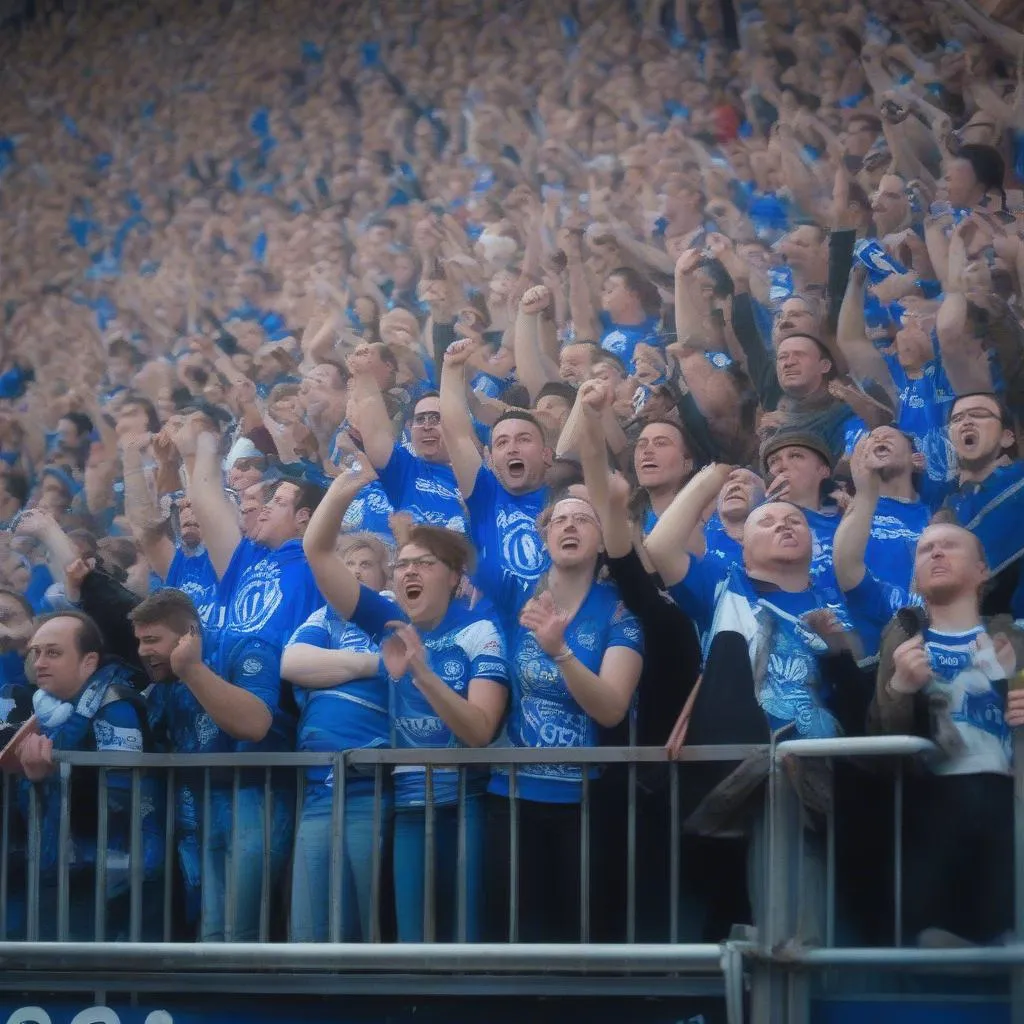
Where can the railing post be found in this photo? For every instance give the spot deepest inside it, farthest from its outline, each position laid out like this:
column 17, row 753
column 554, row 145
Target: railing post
column 1018, row 869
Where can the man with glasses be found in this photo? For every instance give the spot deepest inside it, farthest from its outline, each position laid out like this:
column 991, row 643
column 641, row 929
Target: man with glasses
column 990, row 497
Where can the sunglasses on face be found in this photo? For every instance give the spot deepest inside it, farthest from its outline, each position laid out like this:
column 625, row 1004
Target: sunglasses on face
column 426, row 419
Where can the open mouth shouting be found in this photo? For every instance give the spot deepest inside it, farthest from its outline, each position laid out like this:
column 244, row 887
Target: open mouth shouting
column 412, row 589
column 970, row 438
column 516, row 470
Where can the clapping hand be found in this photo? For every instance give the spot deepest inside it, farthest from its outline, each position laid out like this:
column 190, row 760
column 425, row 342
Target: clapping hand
column 546, row 621
column 403, row 651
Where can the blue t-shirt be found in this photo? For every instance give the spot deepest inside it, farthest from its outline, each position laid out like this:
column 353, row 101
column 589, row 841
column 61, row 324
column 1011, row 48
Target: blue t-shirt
column 924, row 405
column 464, row 646
column 895, row 530
column 182, row 725
column 823, row 526
column 254, row 587
column 719, row 544
column 192, row 572
column 347, row 716
column 992, row 510
column 426, row 490
column 622, row 339
column 369, row 512
column 544, row 713
column 871, row 605
column 504, row 526
column 791, row 692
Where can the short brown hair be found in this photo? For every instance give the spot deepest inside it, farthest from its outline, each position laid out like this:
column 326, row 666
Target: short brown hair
column 168, row 607
column 454, row 549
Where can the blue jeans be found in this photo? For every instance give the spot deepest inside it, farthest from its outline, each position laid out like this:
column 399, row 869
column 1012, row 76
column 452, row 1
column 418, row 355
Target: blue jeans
column 311, row 870
column 245, row 861
column 410, row 857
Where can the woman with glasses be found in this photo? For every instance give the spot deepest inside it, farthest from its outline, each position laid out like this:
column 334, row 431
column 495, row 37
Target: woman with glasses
column 448, row 688
column 576, row 656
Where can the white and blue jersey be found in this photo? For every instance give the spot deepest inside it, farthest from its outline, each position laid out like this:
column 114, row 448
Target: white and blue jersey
column 503, row 526
column 192, row 573
column 466, row 645
column 254, row 587
column 622, row 339
column 348, row 716
column 426, row 490
column 963, row 678
column 791, row 691
column 544, row 713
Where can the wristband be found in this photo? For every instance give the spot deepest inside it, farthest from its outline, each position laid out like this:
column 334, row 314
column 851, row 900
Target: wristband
column 563, row 655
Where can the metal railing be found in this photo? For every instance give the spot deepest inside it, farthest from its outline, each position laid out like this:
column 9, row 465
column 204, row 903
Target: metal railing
column 768, row 971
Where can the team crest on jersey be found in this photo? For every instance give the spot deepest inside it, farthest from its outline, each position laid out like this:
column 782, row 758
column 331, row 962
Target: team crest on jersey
column 251, row 666
column 258, row 597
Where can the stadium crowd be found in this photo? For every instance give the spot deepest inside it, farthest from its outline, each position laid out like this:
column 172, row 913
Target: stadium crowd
column 550, row 374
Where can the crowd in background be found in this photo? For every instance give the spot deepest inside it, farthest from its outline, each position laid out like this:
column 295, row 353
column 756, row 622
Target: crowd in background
column 536, row 374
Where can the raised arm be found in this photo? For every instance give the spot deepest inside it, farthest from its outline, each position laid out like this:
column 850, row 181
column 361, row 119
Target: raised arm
column 851, row 539
column 609, row 493
column 581, row 303
column 217, row 517
column 367, row 412
column 963, row 358
column 142, row 512
column 534, row 365
column 456, row 424
column 336, row 583
column 863, row 358
column 666, row 544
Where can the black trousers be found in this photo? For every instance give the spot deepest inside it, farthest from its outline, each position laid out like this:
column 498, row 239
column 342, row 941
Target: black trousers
column 548, row 871
column 958, row 863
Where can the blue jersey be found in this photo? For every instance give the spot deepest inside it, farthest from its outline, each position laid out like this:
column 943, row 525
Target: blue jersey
column 254, row 587
column 895, row 530
column 503, row 526
column 622, row 339
column 991, row 510
column 719, row 544
column 823, row 526
column 544, row 713
column 181, row 724
column 192, row 572
column 465, row 645
column 790, row 691
column 370, row 512
column 348, row 716
column 924, row 405
column 871, row 605
column 426, row 490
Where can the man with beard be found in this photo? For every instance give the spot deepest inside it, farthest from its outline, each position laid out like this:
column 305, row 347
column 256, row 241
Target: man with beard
column 214, row 696
column 504, row 499
column 942, row 666
column 990, row 494
column 420, row 482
